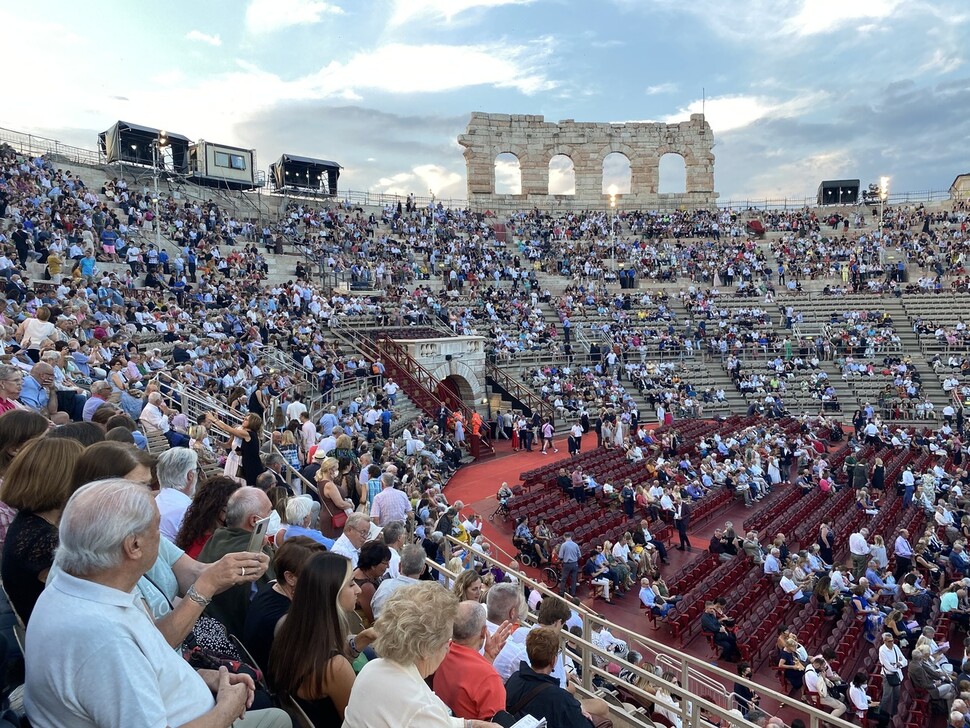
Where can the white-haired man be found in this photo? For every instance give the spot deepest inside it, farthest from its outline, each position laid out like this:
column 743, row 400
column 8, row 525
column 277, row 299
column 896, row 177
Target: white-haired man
column 155, row 418
column 108, row 666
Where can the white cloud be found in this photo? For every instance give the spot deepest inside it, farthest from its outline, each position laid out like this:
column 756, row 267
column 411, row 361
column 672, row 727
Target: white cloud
column 267, row 16
column 198, row 35
column 447, row 10
column 422, row 180
column 402, row 69
column 824, row 16
column 725, row 113
column 941, row 62
column 661, row 88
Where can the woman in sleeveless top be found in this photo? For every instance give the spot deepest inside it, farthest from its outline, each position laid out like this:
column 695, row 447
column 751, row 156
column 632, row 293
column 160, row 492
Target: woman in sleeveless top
column 333, row 499
column 375, row 556
column 826, row 541
column 248, row 435
column 310, row 660
column 258, row 400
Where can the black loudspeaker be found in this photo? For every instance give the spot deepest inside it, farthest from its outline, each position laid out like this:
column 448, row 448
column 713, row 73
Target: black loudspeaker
column 447, row 357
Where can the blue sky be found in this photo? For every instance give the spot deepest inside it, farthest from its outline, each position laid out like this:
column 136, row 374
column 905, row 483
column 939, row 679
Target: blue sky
column 797, row 90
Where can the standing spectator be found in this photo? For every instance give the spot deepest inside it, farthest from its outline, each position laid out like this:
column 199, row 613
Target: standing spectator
column 390, row 504
column 891, row 664
column 569, row 555
column 860, row 551
column 682, row 522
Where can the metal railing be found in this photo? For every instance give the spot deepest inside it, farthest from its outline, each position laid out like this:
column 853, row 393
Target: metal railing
column 35, row 146
column 520, row 392
column 689, row 670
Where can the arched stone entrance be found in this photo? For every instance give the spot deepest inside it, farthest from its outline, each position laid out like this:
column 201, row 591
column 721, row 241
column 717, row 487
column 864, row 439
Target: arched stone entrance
column 457, row 386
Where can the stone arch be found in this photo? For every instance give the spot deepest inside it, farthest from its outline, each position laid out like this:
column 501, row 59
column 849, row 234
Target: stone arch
column 507, row 168
column 461, row 381
column 617, row 174
column 562, row 175
column 672, row 170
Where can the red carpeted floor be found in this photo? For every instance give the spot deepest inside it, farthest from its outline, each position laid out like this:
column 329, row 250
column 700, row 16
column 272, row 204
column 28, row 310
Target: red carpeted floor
column 476, row 485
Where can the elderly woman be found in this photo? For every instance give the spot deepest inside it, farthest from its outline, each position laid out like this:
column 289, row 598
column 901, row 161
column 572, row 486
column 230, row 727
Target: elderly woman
column 413, row 636
column 299, row 515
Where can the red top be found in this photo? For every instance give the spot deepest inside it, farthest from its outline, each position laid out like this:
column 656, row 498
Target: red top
column 196, row 548
column 467, row 683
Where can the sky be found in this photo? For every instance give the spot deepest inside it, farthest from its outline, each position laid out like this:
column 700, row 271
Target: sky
column 796, row 91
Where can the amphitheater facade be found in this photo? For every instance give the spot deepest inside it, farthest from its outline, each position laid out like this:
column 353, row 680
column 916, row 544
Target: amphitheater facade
column 535, row 141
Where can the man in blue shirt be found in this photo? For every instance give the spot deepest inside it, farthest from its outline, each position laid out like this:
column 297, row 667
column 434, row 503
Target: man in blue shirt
column 569, row 554
column 38, row 393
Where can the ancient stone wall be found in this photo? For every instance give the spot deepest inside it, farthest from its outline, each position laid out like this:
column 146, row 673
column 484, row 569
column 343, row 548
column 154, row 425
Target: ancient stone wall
column 535, row 142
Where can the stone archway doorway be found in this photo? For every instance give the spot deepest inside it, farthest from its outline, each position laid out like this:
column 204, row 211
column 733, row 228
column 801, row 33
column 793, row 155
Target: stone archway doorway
column 456, row 387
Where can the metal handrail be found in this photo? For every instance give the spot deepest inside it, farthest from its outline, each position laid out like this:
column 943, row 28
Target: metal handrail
column 410, row 369
column 521, row 393
column 692, row 718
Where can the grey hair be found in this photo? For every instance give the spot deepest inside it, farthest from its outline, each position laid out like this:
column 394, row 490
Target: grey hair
column 155, row 398
column 387, row 480
column 355, row 520
column 469, row 621
column 96, row 521
column 174, row 465
column 501, row 599
column 392, row 532
column 273, row 459
column 297, row 509
column 8, row 370
column 244, row 502
column 412, row 560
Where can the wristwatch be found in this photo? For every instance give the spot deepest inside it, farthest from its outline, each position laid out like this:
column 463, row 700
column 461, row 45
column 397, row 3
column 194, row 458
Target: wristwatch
column 194, row 595
column 352, row 641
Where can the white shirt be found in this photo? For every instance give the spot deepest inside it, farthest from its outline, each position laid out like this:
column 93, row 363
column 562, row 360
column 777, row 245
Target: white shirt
column 891, row 659
column 172, row 505
column 344, row 547
column 152, row 416
column 294, row 410
column 107, row 666
column 507, row 661
column 858, row 545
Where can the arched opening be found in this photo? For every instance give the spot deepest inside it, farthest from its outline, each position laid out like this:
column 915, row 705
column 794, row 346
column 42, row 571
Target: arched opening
column 455, row 387
column 508, row 174
column 617, row 175
column 673, row 174
column 562, row 176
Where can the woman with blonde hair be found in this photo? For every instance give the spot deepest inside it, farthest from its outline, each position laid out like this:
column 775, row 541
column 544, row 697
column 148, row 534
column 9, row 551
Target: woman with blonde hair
column 413, row 635
column 333, row 500
column 468, row 586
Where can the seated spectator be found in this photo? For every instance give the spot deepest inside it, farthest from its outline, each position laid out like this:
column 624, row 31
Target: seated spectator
column 37, row 484
column 108, row 540
column 310, row 658
column 524, row 697
column 246, row 506
column 466, row 681
column 370, row 569
column 271, row 604
column 155, row 417
column 39, row 394
column 410, row 569
column 206, row 513
column 299, row 515
column 413, row 634
column 725, row 639
column 816, row 683
column 177, row 473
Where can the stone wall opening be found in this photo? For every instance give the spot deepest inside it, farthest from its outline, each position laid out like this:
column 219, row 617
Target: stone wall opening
column 457, row 386
column 508, row 174
column 673, row 174
column 617, row 174
column 562, row 175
